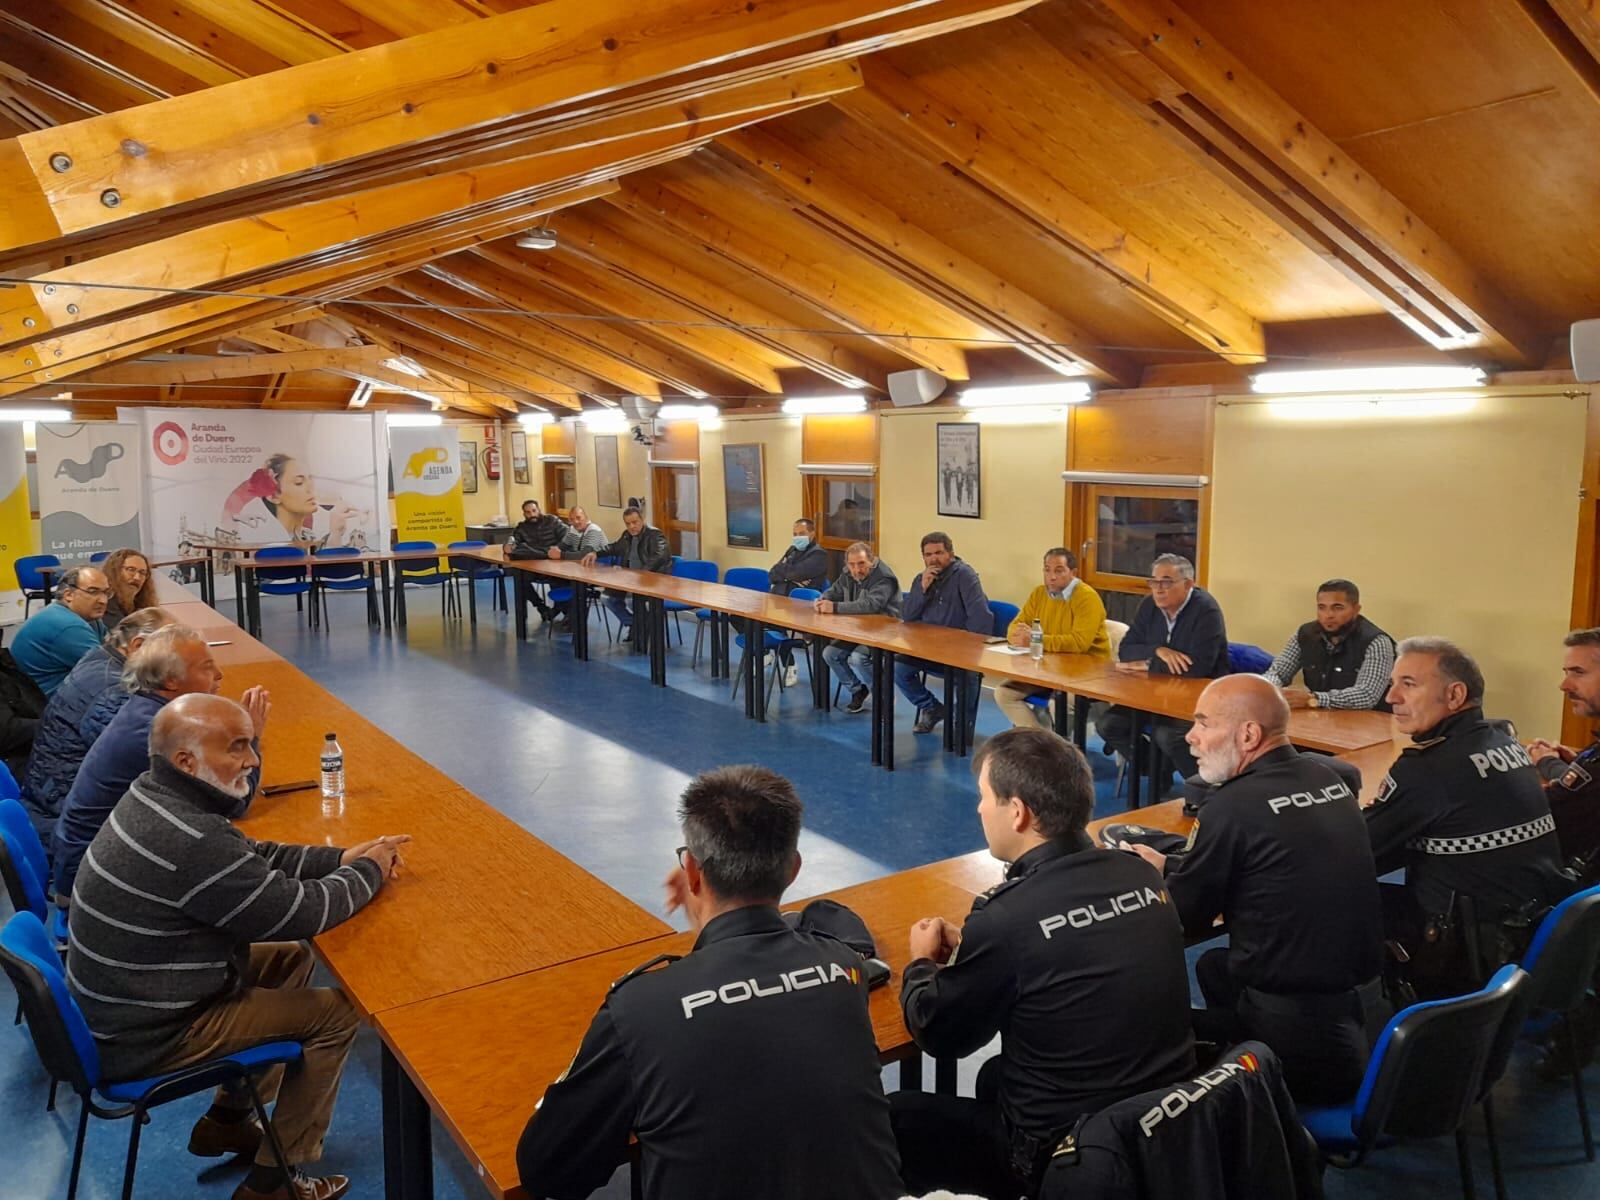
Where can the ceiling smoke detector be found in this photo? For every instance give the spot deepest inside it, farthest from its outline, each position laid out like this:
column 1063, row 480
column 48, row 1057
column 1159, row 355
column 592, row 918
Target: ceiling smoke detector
column 542, row 238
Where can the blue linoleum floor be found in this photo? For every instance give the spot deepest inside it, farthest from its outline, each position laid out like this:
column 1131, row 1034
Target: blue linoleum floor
column 591, row 758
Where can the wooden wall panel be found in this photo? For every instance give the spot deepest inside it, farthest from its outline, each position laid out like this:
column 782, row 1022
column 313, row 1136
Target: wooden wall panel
column 556, row 438
column 840, row 439
column 1165, row 433
column 678, row 441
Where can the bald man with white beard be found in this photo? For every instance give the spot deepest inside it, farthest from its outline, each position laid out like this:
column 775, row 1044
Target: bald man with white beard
column 1281, row 853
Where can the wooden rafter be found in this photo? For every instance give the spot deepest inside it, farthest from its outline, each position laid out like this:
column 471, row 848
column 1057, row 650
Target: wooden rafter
column 1572, row 27
column 193, row 368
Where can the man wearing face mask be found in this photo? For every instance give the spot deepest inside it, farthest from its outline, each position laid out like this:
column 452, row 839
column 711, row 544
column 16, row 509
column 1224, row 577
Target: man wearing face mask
column 1281, row 853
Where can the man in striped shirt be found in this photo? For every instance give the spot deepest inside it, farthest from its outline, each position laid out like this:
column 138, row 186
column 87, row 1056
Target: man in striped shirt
column 186, row 941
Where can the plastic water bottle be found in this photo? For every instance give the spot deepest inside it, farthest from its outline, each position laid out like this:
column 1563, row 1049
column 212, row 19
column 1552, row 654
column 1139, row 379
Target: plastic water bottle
column 1036, row 641
column 332, row 770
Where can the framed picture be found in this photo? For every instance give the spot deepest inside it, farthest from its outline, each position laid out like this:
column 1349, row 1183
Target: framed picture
column 469, row 467
column 958, row 481
column 607, row 475
column 744, row 486
column 519, row 456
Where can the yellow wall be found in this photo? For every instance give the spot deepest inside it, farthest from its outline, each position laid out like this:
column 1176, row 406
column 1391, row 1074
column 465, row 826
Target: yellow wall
column 1023, row 498
column 784, row 493
column 1460, row 525
column 631, row 470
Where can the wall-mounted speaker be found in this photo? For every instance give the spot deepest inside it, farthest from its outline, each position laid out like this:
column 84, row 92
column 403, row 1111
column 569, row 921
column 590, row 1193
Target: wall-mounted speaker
column 639, row 408
column 1585, row 350
column 910, row 388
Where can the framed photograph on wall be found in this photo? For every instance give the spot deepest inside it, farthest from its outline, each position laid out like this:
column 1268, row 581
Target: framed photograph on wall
column 469, row 467
column 607, row 475
column 744, row 486
column 519, row 456
column 958, row 481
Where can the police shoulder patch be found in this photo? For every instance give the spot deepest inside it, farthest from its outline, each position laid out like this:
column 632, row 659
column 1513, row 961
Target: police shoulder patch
column 1386, row 790
column 643, row 968
column 983, row 899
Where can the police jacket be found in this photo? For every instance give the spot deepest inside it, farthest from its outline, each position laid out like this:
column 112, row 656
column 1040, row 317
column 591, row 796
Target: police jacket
column 800, row 568
column 1462, row 809
column 536, row 538
column 1198, row 632
column 1574, row 797
column 61, row 740
column 1281, row 852
column 745, row 1069
column 1230, row 1133
column 1076, row 960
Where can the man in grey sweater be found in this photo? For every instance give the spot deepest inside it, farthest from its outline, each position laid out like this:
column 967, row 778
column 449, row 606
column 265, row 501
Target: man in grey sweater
column 867, row 587
column 169, row 954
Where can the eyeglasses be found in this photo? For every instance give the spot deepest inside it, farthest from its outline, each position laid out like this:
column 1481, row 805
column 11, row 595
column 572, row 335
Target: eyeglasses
column 141, row 572
column 682, row 850
column 1163, row 584
column 100, row 593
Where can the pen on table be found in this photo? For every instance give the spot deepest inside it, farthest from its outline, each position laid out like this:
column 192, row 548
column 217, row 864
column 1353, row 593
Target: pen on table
column 299, row 785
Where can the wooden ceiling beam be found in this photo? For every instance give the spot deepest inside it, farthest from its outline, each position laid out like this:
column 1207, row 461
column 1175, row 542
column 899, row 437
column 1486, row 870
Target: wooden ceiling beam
column 923, row 260
column 1572, row 27
column 91, row 43
column 898, row 106
column 201, row 369
column 115, row 26
column 578, row 55
column 1283, row 137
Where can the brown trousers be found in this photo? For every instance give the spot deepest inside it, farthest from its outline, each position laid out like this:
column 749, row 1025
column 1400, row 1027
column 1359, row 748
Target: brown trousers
column 276, row 1004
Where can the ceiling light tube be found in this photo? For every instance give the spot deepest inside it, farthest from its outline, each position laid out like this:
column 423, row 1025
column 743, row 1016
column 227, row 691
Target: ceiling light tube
column 1366, row 379
column 687, row 412
column 1024, row 395
column 35, row 414
column 839, row 402
column 533, row 420
column 603, row 420
column 408, row 420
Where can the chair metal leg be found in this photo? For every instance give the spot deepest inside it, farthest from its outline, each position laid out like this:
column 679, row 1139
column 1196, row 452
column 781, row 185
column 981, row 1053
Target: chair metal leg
column 139, row 1119
column 699, row 633
column 1464, row 1161
column 1494, row 1148
column 270, row 1133
column 1577, row 1086
column 50, row 1104
column 738, row 676
column 77, row 1150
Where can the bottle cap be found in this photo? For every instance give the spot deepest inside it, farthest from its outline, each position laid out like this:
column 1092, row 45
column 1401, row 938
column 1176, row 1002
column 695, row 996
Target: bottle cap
column 329, row 737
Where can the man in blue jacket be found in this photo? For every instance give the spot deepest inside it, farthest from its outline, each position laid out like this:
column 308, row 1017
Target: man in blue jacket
column 51, row 642
column 173, row 662
column 948, row 592
column 1178, row 630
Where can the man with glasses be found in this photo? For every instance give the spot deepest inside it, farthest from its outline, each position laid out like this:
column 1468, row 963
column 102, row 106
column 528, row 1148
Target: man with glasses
column 1178, row 630
column 52, row 641
column 745, row 1068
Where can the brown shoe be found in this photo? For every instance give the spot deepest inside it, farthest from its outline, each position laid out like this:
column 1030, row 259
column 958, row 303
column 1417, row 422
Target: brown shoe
column 306, row 1187
column 214, row 1139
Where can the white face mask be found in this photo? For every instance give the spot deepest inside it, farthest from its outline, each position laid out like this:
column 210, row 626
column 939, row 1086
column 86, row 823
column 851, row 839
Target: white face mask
column 800, row 541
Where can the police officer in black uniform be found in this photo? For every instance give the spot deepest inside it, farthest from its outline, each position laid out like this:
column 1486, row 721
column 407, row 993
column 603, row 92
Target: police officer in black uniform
column 1076, row 960
column 1572, row 777
column 1344, row 657
column 746, row 1068
column 1281, row 852
column 1463, row 810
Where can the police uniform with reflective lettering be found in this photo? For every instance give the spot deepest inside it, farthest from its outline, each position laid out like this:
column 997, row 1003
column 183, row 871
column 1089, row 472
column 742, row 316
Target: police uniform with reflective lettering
column 1076, row 960
column 747, row 1068
column 1574, row 797
column 1281, row 852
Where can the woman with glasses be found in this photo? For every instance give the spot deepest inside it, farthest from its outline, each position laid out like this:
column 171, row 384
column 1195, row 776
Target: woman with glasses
column 128, row 572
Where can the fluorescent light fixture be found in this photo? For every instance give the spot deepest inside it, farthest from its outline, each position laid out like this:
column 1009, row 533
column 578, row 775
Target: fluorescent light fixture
column 1366, row 379
column 406, row 420
column 1027, row 414
column 1360, row 408
column 533, row 420
column 35, row 414
column 841, row 402
column 696, row 394
column 405, row 366
column 542, row 238
column 603, row 420
column 1025, row 395
column 687, row 412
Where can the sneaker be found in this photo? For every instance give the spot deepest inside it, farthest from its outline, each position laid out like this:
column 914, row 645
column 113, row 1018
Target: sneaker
column 535, row 620
column 306, row 1187
column 928, row 718
column 212, row 1138
column 791, row 675
column 858, row 701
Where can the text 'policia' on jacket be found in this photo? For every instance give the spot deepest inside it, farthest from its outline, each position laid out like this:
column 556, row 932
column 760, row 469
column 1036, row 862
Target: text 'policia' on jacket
column 1076, row 960
column 746, row 1068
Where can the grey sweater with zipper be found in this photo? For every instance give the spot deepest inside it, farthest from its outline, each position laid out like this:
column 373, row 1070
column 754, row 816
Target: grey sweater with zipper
column 878, row 593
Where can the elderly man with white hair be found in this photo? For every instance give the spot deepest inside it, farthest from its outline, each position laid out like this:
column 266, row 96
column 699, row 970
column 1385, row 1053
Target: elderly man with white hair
column 187, row 942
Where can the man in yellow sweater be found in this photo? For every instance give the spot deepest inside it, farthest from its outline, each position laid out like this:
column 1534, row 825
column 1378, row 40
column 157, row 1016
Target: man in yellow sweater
column 1073, row 619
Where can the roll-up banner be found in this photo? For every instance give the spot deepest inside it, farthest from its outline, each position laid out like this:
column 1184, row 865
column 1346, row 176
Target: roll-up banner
column 16, row 520
column 251, row 478
column 426, row 462
column 89, row 487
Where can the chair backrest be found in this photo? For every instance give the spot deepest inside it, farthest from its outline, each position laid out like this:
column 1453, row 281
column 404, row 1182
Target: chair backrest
column 462, row 562
column 1004, row 613
column 60, row 1034
column 1565, row 951
column 323, row 570
column 1116, row 631
column 416, row 566
column 10, row 789
column 285, row 553
column 15, row 820
column 1247, row 659
column 99, row 556
column 807, row 594
column 1430, row 1063
column 752, row 579
column 23, row 886
column 700, row 569
column 27, row 568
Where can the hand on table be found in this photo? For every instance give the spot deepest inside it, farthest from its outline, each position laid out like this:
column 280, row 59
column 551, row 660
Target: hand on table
column 1133, row 667
column 1020, row 635
column 555, row 553
column 935, row 938
column 1177, row 661
column 257, row 701
column 1158, row 861
column 1540, row 749
column 823, row 606
column 588, row 559
column 385, row 851
column 1297, row 697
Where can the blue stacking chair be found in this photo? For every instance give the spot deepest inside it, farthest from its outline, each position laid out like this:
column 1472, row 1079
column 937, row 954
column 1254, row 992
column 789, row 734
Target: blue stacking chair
column 9, row 787
column 703, row 571
column 27, row 868
column 1561, row 962
column 328, row 574
column 284, row 581
column 31, row 580
column 422, row 572
column 1003, row 613
column 776, row 641
column 474, row 569
column 99, row 556
column 65, row 1046
column 751, row 579
column 1431, row 1064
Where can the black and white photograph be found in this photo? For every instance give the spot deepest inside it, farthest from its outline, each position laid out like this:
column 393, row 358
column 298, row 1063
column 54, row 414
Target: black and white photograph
column 958, row 478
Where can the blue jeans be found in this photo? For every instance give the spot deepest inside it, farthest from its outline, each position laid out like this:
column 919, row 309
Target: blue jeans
column 849, row 664
column 617, row 602
column 906, row 671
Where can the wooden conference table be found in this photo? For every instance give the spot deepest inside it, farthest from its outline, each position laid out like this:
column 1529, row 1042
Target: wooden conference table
column 376, row 565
